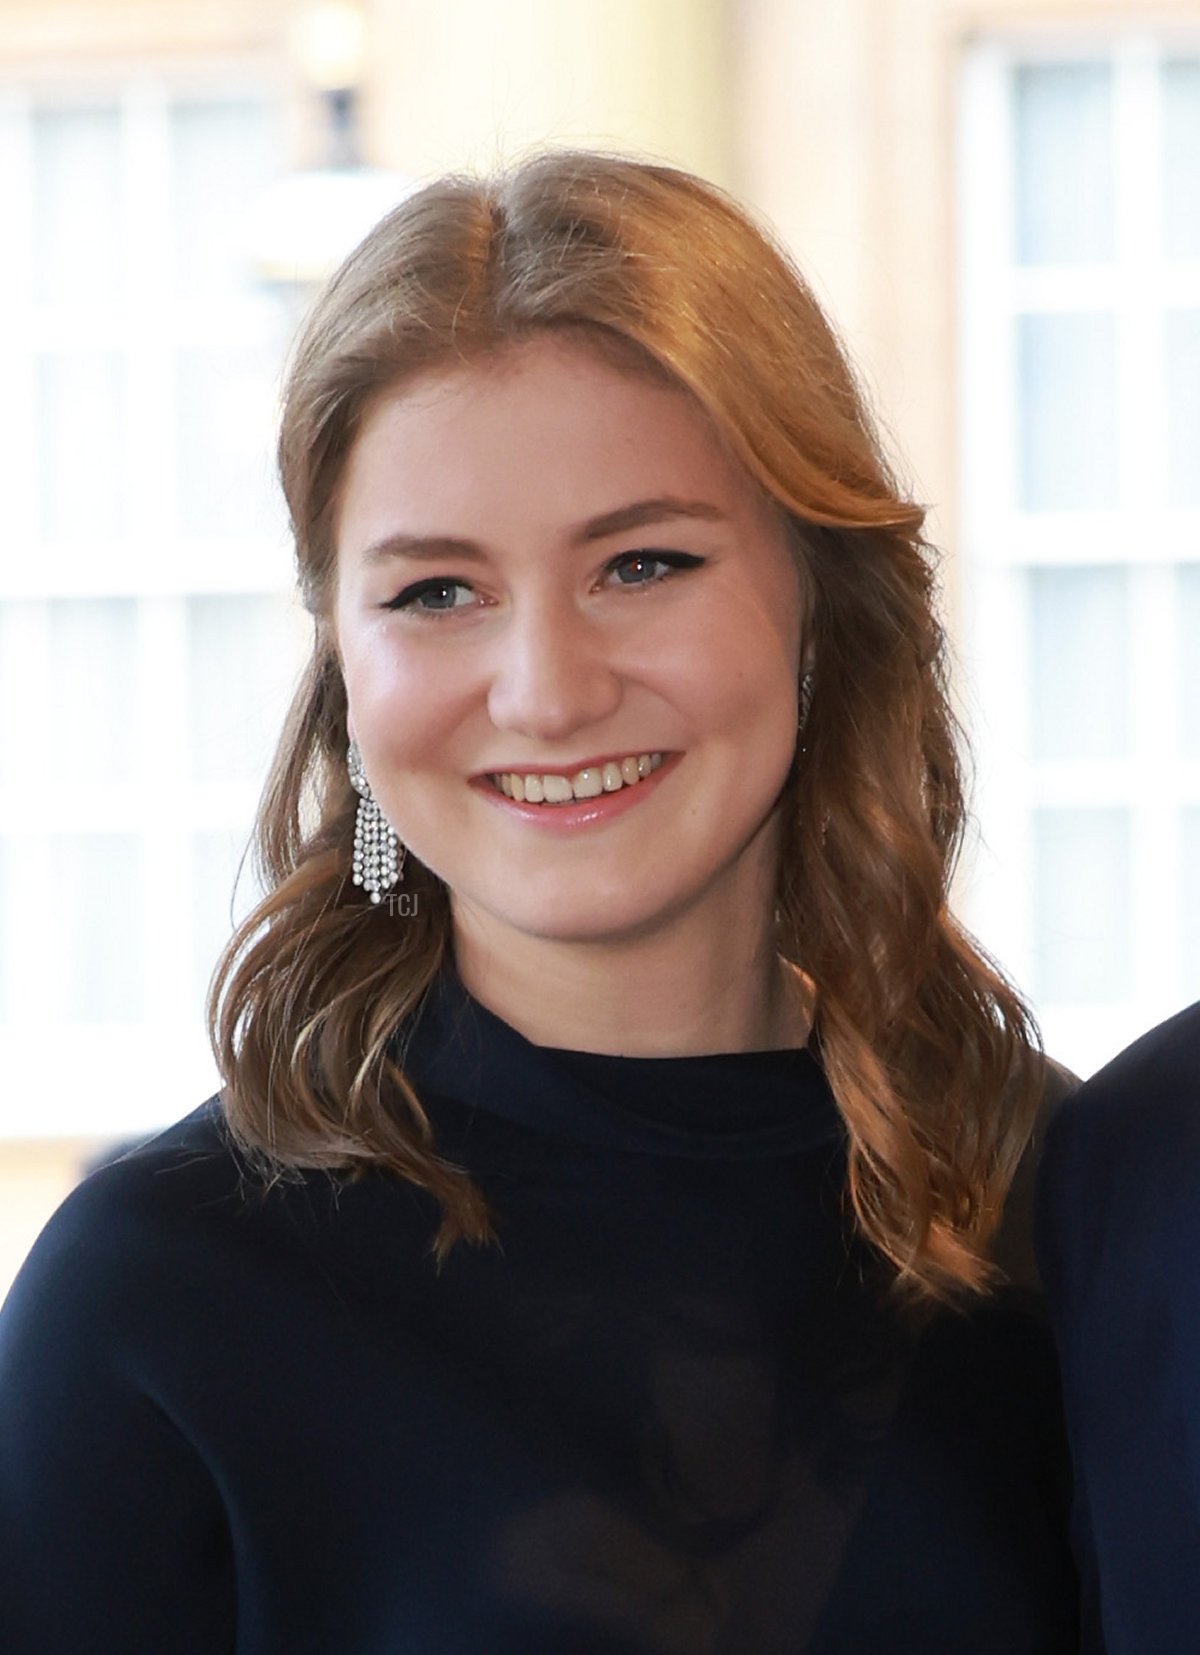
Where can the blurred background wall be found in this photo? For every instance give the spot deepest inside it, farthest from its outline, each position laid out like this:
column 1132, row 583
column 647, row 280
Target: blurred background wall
column 1000, row 205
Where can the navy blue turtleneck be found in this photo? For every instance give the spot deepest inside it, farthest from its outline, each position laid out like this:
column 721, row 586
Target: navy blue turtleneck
column 672, row 1413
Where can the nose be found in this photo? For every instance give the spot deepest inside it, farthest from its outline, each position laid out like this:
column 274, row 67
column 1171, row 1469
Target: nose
column 554, row 675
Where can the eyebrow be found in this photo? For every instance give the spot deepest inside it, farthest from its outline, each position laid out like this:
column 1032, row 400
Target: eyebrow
column 635, row 516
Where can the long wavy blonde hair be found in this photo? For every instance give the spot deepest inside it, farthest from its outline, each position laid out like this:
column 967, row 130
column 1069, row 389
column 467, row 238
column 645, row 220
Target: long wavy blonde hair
column 930, row 1054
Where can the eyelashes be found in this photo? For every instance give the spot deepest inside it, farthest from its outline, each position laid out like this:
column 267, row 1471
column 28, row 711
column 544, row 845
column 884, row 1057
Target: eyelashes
column 639, row 561
column 444, row 590
column 438, row 587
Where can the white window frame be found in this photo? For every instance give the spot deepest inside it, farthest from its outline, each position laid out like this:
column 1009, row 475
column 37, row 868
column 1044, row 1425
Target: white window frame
column 112, row 1080
column 1000, row 542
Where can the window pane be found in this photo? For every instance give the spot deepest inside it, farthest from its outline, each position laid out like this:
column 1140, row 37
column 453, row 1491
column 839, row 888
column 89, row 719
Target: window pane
column 1064, row 162
column 221, row 162
column 226, row 407
column 77, row 203
column 1189, row 658
column 1183, row 404
column 1181, row 150
column 1080, row 663
column 222, row 898
column 98, row 895
column 80, row 445
column 18, row 621
column 1082, row 892
column 1190, row 912
column 8, row 950
column 93, row 687
column 1067, row 408
column 239, row 678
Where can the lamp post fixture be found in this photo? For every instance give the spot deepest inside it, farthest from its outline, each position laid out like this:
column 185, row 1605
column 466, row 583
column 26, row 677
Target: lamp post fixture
column 311, row 218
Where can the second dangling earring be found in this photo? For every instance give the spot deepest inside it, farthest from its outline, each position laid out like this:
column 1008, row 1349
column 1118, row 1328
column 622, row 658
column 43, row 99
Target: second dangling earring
column 805, row 702
column 378, row 854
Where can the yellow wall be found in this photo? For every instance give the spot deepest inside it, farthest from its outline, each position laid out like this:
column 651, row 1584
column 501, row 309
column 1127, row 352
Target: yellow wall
column 479, row 81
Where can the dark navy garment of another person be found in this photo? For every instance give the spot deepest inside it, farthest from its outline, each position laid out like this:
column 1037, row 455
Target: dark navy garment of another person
column 674, row 1413
column 1119, row 1243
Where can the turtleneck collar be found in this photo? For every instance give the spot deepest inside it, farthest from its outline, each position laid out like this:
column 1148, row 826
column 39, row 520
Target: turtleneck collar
column 732, row 1106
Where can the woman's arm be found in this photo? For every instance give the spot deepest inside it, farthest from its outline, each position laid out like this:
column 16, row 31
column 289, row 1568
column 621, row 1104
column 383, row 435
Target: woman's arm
column 112, row 1534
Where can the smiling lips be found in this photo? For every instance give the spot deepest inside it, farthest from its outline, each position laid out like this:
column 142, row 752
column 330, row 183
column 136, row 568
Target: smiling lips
column 589, row 783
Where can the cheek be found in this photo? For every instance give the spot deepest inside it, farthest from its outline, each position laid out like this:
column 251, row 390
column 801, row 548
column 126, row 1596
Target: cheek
column 402, row 700
column 744, row 657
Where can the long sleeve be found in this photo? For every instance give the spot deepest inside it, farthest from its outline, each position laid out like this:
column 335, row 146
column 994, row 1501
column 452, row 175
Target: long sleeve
column 112, row 1533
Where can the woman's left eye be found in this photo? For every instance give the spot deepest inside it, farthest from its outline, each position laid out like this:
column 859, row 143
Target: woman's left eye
column 648, row 568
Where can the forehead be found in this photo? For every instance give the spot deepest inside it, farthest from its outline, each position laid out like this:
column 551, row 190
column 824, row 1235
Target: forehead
column 548, row 360
column 549, row 426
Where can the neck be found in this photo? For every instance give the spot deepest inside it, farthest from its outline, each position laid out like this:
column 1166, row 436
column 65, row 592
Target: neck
column 688, row 991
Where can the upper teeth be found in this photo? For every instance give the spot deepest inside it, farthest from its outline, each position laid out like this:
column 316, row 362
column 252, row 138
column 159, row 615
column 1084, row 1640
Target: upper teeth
column 584, row 784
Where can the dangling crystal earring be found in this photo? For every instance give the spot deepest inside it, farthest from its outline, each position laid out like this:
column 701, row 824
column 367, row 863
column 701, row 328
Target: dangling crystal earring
column 806, row 695
column 378, row 855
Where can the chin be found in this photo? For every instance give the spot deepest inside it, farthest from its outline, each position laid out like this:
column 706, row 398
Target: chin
column 576, row 918
column 584, row 925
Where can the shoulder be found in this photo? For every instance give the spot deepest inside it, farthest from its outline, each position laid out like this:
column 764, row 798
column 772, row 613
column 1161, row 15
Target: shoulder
column 188, row 1168
column 1160, row 1071
column 121, row 1233
column 185, row 1232
column 1141, row 1110
column 1119, row 1186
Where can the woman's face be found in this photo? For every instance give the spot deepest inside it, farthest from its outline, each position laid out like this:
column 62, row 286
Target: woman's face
column 549, row 573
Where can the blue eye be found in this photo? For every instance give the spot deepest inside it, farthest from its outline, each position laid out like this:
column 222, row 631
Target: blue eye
column 431, row 597
column 650, row 568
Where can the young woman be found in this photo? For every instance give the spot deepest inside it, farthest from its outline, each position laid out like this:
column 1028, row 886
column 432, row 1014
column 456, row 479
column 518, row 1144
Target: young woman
column 612, row 1232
